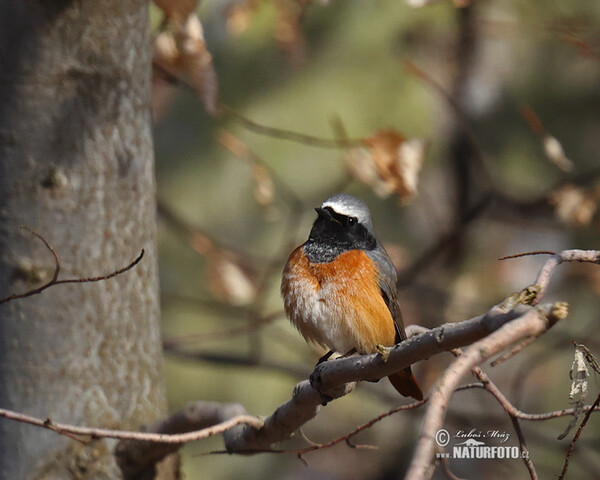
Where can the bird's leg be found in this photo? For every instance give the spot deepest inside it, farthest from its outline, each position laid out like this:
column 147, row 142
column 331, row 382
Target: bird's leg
column 348, row 353
column 325, row 357
column 383, row 351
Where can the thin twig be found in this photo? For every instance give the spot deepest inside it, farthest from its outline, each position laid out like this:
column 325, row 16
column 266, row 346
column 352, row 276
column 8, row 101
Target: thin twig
column 178, row 438
column 344, row 438
column 57, row 267
column 532, row 417
column 491, row 387
column 512, row 352
column 543, row 278
column 527, row 254
column 288, row 134
column 576, row 437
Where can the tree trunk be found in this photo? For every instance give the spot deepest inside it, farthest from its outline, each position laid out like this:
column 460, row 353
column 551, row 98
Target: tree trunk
column 76, row 166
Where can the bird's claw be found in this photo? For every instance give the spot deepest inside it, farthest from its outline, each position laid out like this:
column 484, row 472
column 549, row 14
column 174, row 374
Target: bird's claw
column 384, row 352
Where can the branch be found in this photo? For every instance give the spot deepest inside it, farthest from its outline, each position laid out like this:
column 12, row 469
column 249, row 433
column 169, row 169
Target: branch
column 281, row 134
column 491, row 387
column 576, row 437
column 543, row 278
column 57, row 266
column 178, row 438
column 531, row 323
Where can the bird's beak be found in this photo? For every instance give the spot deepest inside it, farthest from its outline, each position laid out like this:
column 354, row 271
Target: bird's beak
column 322, row 212
column 326, row 214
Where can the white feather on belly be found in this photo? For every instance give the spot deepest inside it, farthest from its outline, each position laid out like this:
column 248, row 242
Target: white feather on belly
column 317, row 318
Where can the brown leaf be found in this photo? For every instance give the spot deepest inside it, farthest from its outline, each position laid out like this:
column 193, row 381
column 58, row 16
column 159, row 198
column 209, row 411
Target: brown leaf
column 360, row 165
column 183, row 54
column 395, row 161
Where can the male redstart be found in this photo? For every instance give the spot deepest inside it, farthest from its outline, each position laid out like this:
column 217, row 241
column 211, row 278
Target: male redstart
column 339, row 287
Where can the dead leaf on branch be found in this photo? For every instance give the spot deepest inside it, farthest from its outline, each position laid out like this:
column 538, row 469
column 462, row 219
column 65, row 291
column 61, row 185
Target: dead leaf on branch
column 388, row 164
column 579, row 382
column 181, row 52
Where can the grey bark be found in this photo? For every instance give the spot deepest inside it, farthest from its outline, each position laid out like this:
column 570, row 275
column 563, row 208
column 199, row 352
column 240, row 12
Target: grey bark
column 76, row 165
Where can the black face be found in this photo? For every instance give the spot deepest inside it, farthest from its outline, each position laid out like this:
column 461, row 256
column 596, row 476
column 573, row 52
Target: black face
column 333, row 233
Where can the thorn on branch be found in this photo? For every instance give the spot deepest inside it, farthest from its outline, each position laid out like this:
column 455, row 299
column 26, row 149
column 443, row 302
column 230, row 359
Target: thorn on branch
column 57, row 267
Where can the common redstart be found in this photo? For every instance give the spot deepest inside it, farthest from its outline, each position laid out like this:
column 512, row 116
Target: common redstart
column 339, row 287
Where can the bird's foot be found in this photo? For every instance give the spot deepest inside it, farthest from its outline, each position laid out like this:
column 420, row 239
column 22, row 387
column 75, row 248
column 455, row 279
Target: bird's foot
column 384, row 352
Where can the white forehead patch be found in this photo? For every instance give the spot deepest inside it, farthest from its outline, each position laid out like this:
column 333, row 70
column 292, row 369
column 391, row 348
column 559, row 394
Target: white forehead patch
column 346, row 204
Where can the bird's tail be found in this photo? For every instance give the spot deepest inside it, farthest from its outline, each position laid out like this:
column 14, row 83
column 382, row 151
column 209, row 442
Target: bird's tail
column 406, row 384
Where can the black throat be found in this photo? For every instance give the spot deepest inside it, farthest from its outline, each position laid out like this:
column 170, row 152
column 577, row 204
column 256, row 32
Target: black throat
column 333, row 234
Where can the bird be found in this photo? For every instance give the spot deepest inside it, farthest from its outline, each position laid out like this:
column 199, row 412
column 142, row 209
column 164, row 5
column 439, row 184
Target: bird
column 339, row 287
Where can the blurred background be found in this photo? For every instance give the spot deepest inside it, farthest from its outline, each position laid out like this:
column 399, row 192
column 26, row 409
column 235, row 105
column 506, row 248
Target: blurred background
column 472, row 130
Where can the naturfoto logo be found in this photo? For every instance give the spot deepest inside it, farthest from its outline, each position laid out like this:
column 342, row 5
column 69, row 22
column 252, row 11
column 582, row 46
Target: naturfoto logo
column 474, row 445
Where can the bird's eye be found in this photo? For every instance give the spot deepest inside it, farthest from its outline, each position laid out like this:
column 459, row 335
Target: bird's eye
column 351, row 221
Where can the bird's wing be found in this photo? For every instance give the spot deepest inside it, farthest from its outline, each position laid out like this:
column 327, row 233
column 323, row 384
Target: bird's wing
column 387, row 284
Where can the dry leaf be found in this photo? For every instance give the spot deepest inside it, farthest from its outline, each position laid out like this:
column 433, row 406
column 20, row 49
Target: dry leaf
column 395, row 161
column 361, row 167
column 182, row 53
column 410, row 158
column 229, row 281
column 579, row 386
column 574, row 206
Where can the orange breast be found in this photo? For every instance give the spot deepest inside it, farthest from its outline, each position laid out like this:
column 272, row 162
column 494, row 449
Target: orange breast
column 337, row 304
